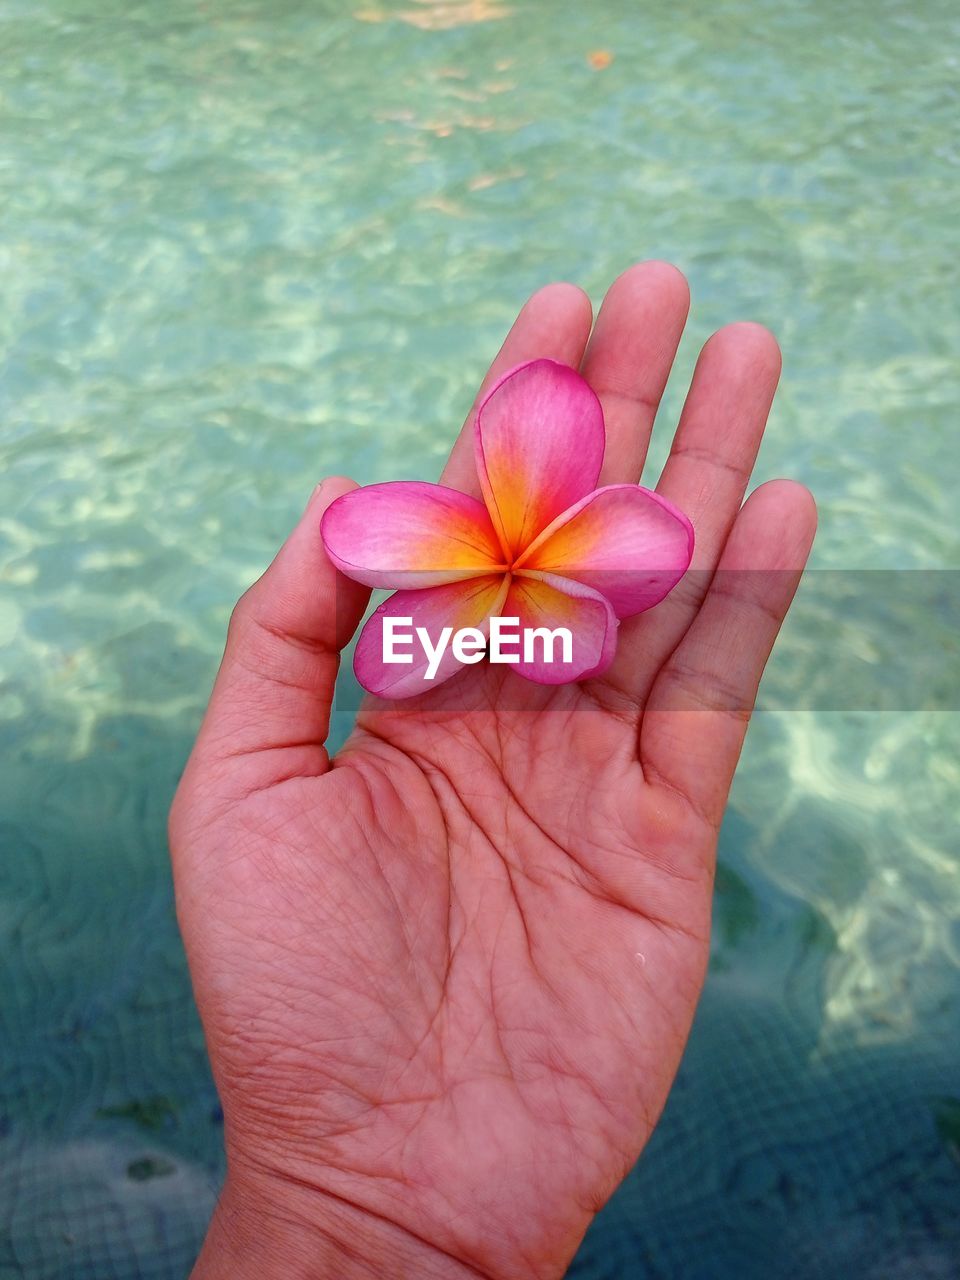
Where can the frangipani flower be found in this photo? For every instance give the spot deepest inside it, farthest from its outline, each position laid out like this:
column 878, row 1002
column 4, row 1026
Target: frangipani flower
column 545, row 545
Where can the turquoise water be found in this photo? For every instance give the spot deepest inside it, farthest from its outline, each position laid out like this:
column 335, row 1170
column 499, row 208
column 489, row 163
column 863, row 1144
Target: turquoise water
column 245, row 245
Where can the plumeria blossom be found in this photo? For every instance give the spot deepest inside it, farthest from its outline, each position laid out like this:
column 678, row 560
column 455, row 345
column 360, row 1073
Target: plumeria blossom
column 545, row 545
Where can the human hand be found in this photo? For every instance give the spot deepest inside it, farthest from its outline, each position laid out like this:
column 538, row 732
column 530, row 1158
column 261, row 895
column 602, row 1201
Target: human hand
column 447, row 976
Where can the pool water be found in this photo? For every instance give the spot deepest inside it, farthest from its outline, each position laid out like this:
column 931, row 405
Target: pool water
column 247, row 244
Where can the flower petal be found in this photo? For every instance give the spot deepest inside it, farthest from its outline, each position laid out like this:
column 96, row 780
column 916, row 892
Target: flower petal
column 410, row 534
column 456, row 604
column 539, row 443
column 624, row 541
column 542, row 600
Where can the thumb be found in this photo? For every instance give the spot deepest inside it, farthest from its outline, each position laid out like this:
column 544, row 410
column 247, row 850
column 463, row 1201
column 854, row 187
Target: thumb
column 270, row 708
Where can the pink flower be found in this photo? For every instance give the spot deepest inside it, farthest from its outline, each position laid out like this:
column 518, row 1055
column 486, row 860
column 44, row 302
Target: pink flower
column 544, row 546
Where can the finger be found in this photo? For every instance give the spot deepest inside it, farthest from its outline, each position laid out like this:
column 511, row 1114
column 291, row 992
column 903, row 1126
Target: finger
column 629, row 357
column 706, row 476
column 554, row 322
column 270, row 708
column 698, row 709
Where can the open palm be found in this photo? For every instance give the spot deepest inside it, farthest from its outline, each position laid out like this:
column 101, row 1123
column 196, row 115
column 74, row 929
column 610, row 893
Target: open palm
column 447, row 976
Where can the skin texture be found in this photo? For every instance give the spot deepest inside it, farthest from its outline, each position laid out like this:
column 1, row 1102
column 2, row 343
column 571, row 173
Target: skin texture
column 447, row 976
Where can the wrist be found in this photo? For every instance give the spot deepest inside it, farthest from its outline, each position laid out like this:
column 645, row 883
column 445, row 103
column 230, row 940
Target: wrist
column 309, row 1235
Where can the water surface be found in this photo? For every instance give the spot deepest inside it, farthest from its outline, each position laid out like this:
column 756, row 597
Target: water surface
column 244, row 245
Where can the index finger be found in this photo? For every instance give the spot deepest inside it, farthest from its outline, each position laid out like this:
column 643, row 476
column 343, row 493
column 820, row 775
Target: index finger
column 554, row 322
